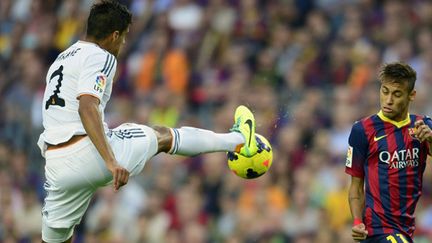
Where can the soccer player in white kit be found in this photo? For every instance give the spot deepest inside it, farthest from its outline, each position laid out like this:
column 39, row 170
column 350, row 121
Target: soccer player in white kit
column 81, row 152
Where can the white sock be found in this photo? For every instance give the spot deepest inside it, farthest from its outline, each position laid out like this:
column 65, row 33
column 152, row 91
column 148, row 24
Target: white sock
column 190, row 141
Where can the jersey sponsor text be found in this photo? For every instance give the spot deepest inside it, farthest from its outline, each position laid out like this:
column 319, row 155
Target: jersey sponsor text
column 401, row 158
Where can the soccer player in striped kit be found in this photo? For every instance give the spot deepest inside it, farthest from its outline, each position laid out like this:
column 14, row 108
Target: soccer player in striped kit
column 386, row 159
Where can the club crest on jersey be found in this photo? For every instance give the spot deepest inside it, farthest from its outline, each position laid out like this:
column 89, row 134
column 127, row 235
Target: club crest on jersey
column 100, row 83
column 411, row 132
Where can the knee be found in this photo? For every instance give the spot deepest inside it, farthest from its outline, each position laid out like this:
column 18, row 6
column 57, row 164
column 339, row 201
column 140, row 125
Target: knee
column 164, row 138
column 161, row 131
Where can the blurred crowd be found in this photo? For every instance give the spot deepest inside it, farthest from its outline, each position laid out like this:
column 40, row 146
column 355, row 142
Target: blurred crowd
column 307, row 69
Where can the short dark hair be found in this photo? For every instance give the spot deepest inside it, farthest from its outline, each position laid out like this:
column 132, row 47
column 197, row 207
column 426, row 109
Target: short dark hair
column 398, row 72
column 106, row 17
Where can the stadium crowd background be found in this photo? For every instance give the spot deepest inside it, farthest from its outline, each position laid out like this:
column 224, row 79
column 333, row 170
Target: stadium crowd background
column 306, row 68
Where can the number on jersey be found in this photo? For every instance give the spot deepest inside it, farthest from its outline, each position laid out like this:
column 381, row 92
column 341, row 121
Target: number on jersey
column 393, row 239
column 54, row 99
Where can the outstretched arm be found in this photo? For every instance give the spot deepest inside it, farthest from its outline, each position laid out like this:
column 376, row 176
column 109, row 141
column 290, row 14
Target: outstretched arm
column 356, row 201
column 92, row 121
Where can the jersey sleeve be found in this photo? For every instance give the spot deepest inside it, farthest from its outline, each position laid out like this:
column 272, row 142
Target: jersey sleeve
column 98, row 69
column 357, row 151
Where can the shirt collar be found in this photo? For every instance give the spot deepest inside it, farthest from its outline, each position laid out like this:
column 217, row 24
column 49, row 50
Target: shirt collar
column 398, row 124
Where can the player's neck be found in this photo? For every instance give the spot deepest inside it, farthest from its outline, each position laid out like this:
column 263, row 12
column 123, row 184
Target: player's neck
column 93, row 41
column 101, row 43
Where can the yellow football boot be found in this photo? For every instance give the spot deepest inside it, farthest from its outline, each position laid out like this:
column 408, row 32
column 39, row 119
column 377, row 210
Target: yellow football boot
column 244, row 123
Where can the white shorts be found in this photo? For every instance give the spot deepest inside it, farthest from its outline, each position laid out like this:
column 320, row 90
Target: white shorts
column 75, row 172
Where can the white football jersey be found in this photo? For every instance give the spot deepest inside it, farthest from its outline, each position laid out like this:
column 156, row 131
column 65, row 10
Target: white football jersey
column 83, row 68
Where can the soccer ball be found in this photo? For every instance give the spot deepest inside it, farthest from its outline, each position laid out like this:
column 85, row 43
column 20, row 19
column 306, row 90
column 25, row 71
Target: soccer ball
column 254, row 166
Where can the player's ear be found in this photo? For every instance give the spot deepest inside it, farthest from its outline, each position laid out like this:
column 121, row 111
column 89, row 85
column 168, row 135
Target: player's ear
column 412, row 95
column 115, row 35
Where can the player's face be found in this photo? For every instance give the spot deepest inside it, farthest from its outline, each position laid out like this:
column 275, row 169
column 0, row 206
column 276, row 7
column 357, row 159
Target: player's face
column 395, row 99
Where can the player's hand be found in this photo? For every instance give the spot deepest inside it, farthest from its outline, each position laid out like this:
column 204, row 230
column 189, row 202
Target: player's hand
column 359, row 232
column 422, row 131
column 120, row 176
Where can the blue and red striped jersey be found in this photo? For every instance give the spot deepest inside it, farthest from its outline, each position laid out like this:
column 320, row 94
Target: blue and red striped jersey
column 392, row 161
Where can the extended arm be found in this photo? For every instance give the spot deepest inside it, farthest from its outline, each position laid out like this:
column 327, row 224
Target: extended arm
column 356, row 197
column 356, row 200
column 92, row 122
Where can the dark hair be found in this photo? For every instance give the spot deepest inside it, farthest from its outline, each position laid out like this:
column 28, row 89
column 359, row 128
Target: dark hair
column 398, row 72
column 106, row 17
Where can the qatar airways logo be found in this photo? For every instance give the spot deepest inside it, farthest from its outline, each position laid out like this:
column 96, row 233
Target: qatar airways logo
column 400, row 159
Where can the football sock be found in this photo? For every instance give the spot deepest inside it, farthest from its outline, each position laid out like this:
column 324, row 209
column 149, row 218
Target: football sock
column 190, row 141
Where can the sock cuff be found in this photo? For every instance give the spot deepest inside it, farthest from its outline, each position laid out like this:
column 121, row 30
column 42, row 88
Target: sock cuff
column 175, row 141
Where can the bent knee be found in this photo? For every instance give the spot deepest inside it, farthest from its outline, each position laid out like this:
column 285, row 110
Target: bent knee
column 164, row 138
column 162, row 130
